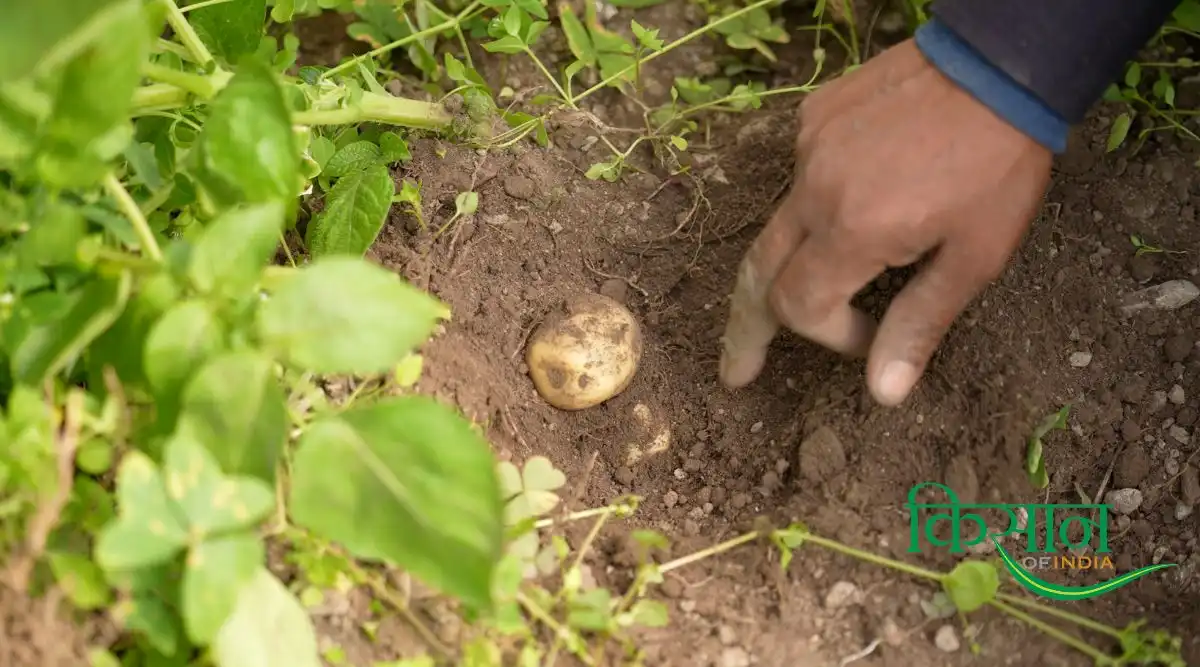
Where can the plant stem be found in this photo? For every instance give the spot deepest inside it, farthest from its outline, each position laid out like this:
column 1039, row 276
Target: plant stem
column 198, row 84
column 205, row 3
column 433, row 30
column 872, row 558
column 679, row 42
column 710, row 551
column 379, row 108
column 377, row 586
column 130, row 208
column 157, row 97
column 557, row 86
column 1059, row 613
column 187, row 34
column 1083, row 647
column 167, row 46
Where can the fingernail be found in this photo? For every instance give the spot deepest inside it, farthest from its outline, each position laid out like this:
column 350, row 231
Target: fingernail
column 895, row 381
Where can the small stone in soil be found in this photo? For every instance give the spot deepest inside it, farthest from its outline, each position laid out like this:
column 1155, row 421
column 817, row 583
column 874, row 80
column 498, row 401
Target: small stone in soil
column 1182, row 511
column 735, row 656
column 1189, row 485
column 1163, row 296
column 670, row 499
column 1177, row 348
column 1132, row 466
column 1124, row 501
column 1080, row 359
column 821, row 456
column 946, row 639
column 1180, row 434
column 842, row 594
column 1176, row 395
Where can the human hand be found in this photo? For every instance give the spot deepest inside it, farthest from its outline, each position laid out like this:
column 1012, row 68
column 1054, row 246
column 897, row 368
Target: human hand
column 893, row 162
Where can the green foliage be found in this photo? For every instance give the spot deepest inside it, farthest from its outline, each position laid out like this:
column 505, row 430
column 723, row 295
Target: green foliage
column 1035, row 464
column 972, row 584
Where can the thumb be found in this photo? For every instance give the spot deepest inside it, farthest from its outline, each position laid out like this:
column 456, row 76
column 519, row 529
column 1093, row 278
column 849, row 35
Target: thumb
column 917, row 320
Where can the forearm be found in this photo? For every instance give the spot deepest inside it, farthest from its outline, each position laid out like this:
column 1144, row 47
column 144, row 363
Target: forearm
column 1058, row 54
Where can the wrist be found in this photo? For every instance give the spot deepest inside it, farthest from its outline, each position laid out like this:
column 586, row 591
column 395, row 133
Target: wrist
column 961, row 63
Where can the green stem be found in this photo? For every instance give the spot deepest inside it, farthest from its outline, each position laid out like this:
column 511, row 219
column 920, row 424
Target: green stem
column 806, row 88
column 205, row 3
column 198, row 84
column 710, row 551
column 186, row 34
column 537, row 61
column 1083, row 647
column 677, row 43
column 1059, row 613
column 157, row 97
column 167, row 46
column 434, row 30
column 872, row 558
column 379, row 108
column 130, row 208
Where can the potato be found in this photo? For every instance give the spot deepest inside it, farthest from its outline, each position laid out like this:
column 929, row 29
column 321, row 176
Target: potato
column 584, row 352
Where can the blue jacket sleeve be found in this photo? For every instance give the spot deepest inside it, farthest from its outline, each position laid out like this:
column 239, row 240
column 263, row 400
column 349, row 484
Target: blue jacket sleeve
column 1039, row 64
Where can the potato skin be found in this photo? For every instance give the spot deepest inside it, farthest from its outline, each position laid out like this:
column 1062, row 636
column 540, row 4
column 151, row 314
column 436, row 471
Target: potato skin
column 584, row 352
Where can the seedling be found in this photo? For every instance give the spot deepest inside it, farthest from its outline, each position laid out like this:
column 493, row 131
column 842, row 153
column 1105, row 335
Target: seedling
column 1035, row 464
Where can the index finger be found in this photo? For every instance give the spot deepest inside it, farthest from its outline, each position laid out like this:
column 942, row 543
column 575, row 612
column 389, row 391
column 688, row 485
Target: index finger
column 752, row 324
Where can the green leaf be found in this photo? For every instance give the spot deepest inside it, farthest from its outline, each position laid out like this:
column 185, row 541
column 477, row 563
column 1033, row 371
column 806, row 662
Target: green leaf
column 972, row 584
column 1133, row 75
column 268, row 628
column 218, row 570
column 49, row 346
column 321, row 149
column 53, row 238
column 408, row 371
column 406, row 479
column 81, row 580
column 395, row 148
column 466, row 203
column 512, row 20
column 355, row 209
column 507, row 44
column 647, row 38
column 345, row 315
column 1187, row 15
column 247, row 151
column 230, row 29
column 534, row 7
column 180, row 342
column 352, row 157
column 234, row 406
column 95, row 456
column 1118, row 132
column 89, row 125
column 649, row 614
column 233, row 249
column 282, row 10
column 147, row 531
column 578, row 39
column 211, row 502
column 151, row 617
column 39, row 35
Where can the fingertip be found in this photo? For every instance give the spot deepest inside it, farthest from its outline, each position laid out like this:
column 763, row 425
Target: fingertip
column 740, row 368
column 893, row 382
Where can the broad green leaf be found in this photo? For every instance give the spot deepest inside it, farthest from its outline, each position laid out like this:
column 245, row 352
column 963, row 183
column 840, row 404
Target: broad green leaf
column 268, row 628
column 352, row 158
column 53, row 237
column 38, row 35
column 395, row 148
column 81, row 580
column 151, row 617
column 49, row 346
column 147, row 531
column 1133, row 75
column 89, row 125
column 178, row 344
column 1187, row 15
column 1120, row 130
column 121, row 345
column 211, row 502
column 578, row 39
column 230, row 29
column 95, row 456
column 512, row 19
column 233, row 249
column 345, row 315
column 282, row 10
column 247, row 151
column 535, row 7
column 972, row 584
column 235, row 407
column 217, row 571
column 648, row 614
column 408, row 480
column 321, row 149
column 355, row 209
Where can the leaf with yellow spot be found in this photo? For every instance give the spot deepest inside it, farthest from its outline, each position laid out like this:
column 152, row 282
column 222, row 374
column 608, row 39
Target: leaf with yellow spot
column 147, row 530
column 216, row 572
column 211, row 501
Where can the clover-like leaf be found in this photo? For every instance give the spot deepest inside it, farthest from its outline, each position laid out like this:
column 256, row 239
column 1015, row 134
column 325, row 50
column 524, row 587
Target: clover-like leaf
column 268, row 628
column 217, row 570
column 147, row 530
column 972, row 584
column 210, row 501
column 533, row 494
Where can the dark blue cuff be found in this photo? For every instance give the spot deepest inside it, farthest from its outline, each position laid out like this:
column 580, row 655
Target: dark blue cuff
column 963, row 65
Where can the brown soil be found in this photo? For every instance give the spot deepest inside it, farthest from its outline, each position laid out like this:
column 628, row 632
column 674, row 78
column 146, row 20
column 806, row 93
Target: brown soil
column 669, row 246
column 35, row 632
